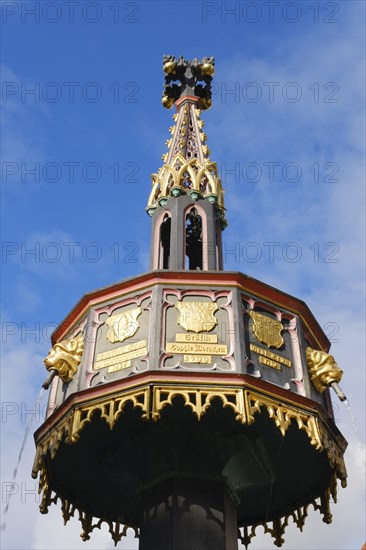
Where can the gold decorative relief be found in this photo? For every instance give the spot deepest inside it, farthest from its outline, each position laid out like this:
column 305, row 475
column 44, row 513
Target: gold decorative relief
column 266, row 329
column 123, row 325
column 335, row 456
column 110, row 408
column 45, row 491
column 323, row 369
column 298, row 516
column 245, row 403
column 282, row 415
column 198, row 399
column 65, row 357
column 88, row 524
column 69, row 428
column 188, row 175
column 197, row 316
column 206, row 150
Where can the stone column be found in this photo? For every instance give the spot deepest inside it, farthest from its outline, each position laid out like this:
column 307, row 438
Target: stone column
column 185, row 513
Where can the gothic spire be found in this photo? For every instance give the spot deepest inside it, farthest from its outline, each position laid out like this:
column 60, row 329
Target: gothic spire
column 187, row 166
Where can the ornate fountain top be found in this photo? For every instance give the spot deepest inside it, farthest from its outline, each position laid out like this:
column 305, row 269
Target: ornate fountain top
column 187, row 166
column 188, row 78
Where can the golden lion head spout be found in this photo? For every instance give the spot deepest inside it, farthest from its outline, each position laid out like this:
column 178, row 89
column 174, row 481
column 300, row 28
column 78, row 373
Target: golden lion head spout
column 323, row 369
column 64, row 358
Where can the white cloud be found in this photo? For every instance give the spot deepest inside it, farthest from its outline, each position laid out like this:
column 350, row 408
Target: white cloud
column 22, row 133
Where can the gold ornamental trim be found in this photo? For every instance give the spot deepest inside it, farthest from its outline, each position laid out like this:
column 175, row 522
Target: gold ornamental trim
column 321, row 503
column 246, row 404
column 187, row 175
column 110, row 408
column 70, row 427
column 198, row 399
column 282, row 415
column 117, row 530
column 245, row 533
column 335, row 455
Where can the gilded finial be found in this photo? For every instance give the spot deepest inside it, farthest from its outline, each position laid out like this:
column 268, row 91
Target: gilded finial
column 167, row 102
column 187, row 168
column 194, row 79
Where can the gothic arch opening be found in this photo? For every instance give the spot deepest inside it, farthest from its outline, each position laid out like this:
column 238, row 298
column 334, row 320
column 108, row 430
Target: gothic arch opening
column 194, row 240
column 164, row 242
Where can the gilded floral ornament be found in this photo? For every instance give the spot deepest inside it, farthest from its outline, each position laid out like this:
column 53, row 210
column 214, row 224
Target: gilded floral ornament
column 64, row 358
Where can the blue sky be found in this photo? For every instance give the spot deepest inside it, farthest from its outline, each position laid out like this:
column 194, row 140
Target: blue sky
column 287, row 132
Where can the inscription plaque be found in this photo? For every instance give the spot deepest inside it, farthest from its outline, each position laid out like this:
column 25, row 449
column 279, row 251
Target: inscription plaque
column 201, row 338
column 269, row 363
column 202, row 359
column 272, row 359
column 209, row 349
column 120, row 358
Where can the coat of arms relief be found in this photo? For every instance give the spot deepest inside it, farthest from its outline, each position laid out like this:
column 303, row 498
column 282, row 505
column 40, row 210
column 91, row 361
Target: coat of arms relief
column 123, row 325
column 197, row 316
column 267, row 330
